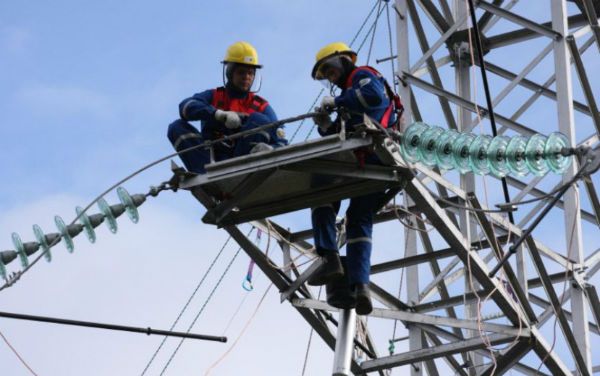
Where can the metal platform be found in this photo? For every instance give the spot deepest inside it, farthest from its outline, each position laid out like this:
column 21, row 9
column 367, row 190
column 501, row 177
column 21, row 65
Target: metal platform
column 290, row 178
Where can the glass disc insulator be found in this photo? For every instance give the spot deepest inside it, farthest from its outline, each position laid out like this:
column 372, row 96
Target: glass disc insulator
column 87, row 225
column 20, row 248
column 64, row 231
column 515, row 155
column 534, row 155
column 478, row 155
column 411, row 140
column 41, row 238
column 552, row 152
column 496, row 155
column 460, row 152
column 109, row 217
column 130, row 207
column 443, row 152
column 427, row 148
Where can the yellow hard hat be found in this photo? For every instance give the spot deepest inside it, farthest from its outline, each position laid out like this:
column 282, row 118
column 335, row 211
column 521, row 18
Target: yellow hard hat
column 332, row 49
column 242, row 53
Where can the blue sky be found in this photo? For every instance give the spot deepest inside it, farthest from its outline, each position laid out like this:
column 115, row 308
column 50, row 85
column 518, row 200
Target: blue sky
column 87, row 90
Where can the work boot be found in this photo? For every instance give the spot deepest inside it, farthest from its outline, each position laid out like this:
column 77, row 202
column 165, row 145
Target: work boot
column 363, row 299
column 339, row 294
column 331, row 270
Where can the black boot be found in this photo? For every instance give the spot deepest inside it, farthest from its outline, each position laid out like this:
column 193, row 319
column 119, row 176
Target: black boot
column 363, row 299
column 331, row 270
column 339, row 293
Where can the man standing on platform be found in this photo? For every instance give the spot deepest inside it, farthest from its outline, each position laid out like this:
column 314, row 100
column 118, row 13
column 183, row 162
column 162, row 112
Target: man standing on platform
column 363, row 91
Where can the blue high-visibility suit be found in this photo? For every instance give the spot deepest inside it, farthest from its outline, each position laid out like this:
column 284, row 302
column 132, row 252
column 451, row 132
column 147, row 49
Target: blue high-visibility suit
column 365, row 93
column 184, row 135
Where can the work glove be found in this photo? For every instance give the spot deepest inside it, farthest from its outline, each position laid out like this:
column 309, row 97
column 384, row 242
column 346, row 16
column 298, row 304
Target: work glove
column 322, row 119
column 231, row 119
column 327, row 103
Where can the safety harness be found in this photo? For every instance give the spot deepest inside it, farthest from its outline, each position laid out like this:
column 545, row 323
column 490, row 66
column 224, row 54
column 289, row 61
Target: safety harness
column 395, row 102
column 395, row 106
column 251, row 103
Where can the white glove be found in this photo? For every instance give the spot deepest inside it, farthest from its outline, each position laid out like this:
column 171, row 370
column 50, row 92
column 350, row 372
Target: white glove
column 322, row 119
column 231, row 119
column 328, row 102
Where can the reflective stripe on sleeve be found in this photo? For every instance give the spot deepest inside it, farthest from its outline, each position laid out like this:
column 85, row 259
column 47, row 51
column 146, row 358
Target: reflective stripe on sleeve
column 361, row 99
column 184, row 137
column 185, row 107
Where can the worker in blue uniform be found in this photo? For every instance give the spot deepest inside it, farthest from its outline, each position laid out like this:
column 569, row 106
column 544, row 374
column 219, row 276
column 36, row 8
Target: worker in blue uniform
column 363, row 91
column 225, row 111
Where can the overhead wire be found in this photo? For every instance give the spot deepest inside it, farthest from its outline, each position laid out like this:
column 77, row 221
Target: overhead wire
column 379, row 11
column 201, row 309
column 187, row 303
column 205, row 144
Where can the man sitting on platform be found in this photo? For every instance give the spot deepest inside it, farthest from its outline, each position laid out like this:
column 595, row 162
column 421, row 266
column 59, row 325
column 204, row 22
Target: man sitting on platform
column 225, row 111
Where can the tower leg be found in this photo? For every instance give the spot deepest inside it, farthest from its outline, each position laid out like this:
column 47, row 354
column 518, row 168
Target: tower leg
column 344, row 342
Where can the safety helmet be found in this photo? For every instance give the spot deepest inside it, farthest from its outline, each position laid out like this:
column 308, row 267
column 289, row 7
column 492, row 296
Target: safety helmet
column 331, row 50
column 242, row 53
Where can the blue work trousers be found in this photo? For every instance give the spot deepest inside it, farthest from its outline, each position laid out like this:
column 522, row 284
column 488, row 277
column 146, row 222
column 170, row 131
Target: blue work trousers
column 359, row 231
column 184, row 135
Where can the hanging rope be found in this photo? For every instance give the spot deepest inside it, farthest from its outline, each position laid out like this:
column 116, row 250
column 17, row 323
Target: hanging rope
column 310, row 338
column 247, row 284
column 17, row 354
column 241, row 333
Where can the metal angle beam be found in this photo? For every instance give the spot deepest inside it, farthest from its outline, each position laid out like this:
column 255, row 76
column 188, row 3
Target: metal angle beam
column 547, row 355
column 437, row 18
column 419, row 318
column 466, row 104
column 301, row 279
column 433, row 352
column 562, row 320
column 528, row 24
column 470, row 296
column 590, row 11
column 522, row 35
column 347, row 169
column 508, row 359
column 592, row 296
column 485, row 19
column 585, row 83
column 485, row 353
column 458, row 368
column 427, row 257
column 279, row 279
column 435, row 269
column 245, row 187
column 535, row 192
column 531, row 85
column 507, row 268
column 543, row 303
column 435, row 76
column 420, row 195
